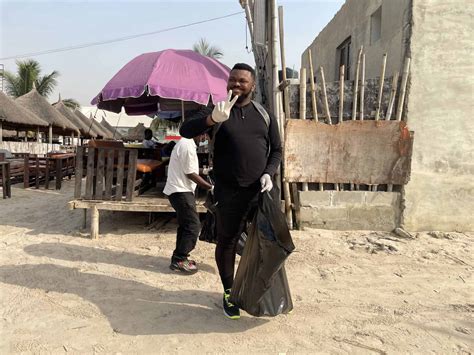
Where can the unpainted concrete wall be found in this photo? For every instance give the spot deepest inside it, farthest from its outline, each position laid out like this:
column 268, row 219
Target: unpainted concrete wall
column 440, row 195
column 346, row 210
column 353, row 19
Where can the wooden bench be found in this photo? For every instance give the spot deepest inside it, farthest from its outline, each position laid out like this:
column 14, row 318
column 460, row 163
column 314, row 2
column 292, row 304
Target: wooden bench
column 111, row 184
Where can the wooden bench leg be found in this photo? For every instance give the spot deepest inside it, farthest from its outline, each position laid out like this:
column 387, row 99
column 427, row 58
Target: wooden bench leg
column 85, row 218
column 94, row 223
column 4, row 181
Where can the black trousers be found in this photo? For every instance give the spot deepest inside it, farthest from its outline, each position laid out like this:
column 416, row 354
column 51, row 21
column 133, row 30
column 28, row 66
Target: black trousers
column 188, row 224
column 235, row 205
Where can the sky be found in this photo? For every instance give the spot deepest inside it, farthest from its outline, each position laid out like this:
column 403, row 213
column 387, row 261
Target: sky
column 38, row 25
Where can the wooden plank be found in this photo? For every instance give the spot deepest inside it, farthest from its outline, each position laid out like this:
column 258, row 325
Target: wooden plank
column 132, row 173
column 109, row 176
column 99, row 191
column 90, row 172
column 78, row 176
column 362, row 152
column 158, row 205
column 120, row 170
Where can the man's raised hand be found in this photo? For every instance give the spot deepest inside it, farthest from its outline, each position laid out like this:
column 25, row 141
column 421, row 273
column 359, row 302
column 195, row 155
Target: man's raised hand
column 222, row 109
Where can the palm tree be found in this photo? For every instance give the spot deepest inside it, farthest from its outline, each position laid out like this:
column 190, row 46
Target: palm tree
column 29, row 74
column 203, row 47
column 72, row 104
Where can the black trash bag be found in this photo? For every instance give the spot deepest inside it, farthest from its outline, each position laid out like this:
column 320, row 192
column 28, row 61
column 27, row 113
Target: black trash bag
column 261, row 286
column 209, row 226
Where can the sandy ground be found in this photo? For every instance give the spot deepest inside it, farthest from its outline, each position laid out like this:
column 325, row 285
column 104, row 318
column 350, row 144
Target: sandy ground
column 354, row 292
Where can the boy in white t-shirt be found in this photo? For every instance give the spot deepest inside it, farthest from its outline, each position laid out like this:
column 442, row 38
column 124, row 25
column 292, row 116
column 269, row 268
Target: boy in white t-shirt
column 183, row 176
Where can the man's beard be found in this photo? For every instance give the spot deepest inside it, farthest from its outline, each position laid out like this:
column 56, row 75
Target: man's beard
column 244, row 97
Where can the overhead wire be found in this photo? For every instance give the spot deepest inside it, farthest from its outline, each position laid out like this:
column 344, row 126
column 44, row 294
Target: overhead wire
column 120, row 39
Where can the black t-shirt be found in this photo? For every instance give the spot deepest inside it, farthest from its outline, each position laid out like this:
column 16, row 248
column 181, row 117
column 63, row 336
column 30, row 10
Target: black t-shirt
column 245, row 146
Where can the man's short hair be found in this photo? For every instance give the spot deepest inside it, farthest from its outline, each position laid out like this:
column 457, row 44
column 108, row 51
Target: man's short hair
column 148, row 131
column 243, row 66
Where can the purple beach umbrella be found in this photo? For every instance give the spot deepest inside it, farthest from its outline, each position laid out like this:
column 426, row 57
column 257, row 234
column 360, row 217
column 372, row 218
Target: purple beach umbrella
column 162, row 81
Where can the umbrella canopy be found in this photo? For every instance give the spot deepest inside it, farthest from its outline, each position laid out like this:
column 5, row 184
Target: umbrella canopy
column 38, row 104
column 14, row 116
column 157, row 77
column 83, row 128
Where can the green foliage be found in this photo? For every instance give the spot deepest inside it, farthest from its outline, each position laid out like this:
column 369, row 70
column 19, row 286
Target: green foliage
column 203, row 47
column 71, row 103
column 29, row 73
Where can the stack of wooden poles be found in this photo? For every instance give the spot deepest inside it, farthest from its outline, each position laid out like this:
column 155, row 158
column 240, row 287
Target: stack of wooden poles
column 291, row 192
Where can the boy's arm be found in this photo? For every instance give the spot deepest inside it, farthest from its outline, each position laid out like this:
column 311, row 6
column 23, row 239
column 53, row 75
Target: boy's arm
column 199, row 180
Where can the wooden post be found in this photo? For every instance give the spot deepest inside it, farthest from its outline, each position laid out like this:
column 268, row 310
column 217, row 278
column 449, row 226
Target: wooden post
column 303, row 106
column 393, row 94
column 362, row 88
column 50, row 135
column 341, row 93
column 38, row 138
column 94, row 222
column 401, row 99
column 325, row 96
column 313, row 87
column 302, row 93
column 356, row 85
column 382, row 79
column 1, row 132
column 85, row 218
column 286, row 94
column 379, row 98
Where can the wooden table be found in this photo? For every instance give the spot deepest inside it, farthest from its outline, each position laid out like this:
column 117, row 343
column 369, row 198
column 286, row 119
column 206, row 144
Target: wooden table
column 6, row 183
column 63, row 163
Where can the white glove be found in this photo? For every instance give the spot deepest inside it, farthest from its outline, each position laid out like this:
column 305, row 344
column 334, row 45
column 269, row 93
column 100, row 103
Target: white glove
column 221, row 111
column 266, row 182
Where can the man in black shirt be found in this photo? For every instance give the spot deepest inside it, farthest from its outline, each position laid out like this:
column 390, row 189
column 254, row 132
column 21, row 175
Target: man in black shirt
column 247, row 153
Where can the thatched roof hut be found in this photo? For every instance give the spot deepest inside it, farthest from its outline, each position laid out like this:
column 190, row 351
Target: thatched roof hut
column 84, row 129
column 38, row 104
column 136, row 133
column 91, row 124
column 16, row 117
column 115, row 134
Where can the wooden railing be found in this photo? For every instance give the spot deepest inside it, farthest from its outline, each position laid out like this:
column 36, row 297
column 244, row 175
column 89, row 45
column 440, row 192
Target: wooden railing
column 110, row 174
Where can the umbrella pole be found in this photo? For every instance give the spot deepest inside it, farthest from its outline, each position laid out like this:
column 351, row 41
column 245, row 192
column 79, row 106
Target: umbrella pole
column 182, row 111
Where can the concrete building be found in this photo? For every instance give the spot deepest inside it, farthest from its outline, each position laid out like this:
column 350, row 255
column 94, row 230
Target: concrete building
column 437, row 36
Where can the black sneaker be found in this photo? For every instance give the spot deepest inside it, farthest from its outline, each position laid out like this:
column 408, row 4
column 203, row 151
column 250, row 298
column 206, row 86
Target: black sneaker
column 185, row 266
column 231, row 311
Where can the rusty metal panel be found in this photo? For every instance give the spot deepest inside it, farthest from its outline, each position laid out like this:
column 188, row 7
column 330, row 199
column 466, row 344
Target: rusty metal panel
column 361, row 152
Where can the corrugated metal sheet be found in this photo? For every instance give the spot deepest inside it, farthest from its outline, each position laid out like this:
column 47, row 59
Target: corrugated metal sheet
column 361, row 152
